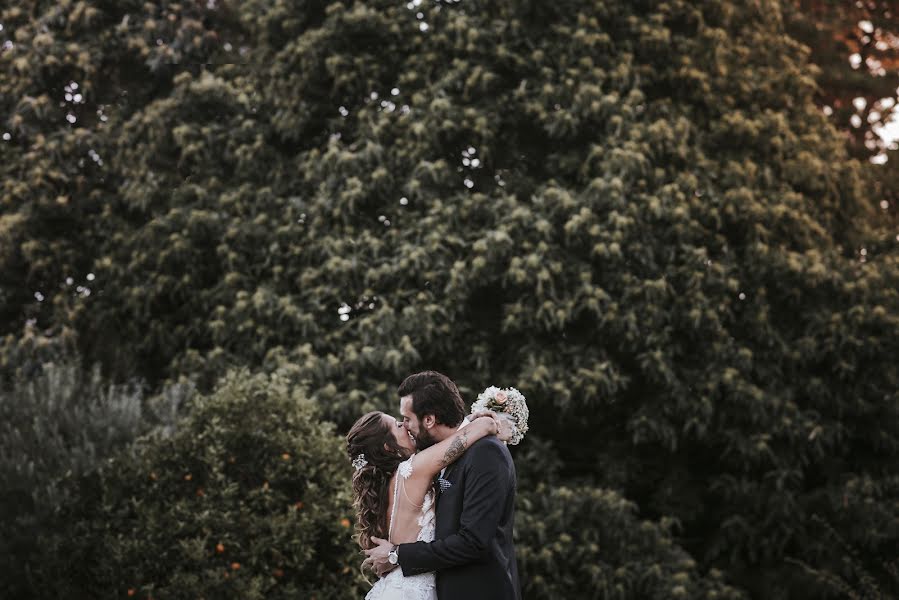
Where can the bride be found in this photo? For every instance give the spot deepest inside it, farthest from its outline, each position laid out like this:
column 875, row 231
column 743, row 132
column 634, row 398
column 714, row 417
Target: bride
column 393, row 489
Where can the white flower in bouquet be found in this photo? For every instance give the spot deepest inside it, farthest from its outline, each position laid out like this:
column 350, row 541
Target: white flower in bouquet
column 506, row 401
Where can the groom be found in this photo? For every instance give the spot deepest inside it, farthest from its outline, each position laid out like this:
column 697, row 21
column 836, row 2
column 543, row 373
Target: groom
column 473, row 552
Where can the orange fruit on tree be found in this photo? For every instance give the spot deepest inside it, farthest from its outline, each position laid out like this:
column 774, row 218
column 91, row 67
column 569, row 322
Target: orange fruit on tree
column 220, row 548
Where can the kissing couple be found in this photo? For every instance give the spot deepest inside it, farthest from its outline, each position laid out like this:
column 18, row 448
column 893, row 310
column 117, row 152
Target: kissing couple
column 434, row 494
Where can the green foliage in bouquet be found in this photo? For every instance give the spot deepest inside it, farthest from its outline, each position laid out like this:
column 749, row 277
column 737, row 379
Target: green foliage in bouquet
column 248, row 498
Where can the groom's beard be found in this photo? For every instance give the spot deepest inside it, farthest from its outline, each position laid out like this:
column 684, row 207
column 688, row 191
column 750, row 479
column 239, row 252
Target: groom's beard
column 424, row 440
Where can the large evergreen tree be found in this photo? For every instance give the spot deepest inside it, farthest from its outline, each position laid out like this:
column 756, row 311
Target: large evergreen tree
column 632, row 211
column 247, row 499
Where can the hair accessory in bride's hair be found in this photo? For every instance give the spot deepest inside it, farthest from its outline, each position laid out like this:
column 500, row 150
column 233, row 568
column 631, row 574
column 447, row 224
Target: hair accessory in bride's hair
column 360, row 461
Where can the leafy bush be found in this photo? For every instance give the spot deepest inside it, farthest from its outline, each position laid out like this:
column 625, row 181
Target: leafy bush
column 587, row 543
column 24, row 353
column 247, row 499
column 62, row 420
column 56, row 420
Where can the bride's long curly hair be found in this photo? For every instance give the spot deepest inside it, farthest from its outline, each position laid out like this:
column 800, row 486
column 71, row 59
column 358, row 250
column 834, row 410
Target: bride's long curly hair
column 372, row 437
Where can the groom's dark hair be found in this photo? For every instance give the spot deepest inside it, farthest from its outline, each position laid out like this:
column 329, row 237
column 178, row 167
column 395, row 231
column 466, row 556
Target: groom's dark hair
column 435, row 394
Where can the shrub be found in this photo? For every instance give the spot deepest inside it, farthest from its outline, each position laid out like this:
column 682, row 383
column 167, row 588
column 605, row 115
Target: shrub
column 247, row 499
column 55, row 419
column 586, row 543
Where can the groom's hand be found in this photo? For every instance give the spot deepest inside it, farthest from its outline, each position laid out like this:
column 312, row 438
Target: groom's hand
column 377, row 557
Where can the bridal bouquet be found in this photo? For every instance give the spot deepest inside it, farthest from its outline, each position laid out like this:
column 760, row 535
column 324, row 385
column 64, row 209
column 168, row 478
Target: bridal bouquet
column 509, row 402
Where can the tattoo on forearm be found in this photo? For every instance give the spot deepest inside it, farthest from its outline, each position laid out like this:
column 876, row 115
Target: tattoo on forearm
column 455, row 449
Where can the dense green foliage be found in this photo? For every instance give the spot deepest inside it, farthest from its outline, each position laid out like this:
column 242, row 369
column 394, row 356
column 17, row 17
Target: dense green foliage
column 632, row 211
column 247, row 499
column 584, row 542
column 59, row 422
column 580, row 541
column 62, row 421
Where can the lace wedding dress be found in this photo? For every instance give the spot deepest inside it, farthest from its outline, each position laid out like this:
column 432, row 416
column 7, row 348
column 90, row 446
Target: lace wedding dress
column 394, row 586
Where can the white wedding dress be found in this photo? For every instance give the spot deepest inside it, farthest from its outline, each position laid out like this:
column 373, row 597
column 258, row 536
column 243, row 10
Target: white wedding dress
column 394, row 586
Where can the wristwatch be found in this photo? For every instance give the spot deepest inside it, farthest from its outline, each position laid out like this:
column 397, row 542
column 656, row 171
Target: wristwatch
column 392, row 556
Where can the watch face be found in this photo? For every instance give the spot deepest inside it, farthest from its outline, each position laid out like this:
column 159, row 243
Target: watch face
column 393, row 557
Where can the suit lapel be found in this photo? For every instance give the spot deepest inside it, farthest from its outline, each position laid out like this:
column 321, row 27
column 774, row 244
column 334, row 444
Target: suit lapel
column 447, row 476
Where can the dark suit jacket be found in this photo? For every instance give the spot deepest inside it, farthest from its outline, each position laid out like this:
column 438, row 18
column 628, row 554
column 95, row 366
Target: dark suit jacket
column 472, row 552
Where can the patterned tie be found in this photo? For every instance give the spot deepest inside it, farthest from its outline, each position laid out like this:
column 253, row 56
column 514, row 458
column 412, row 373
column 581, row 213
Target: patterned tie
column 443, row 484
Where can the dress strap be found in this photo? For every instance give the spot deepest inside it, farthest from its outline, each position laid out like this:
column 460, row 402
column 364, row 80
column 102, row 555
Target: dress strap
column 396, row 489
